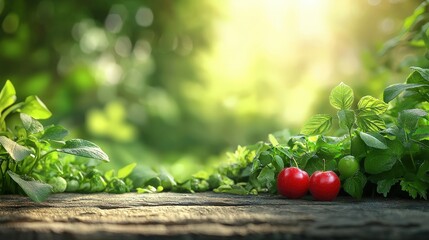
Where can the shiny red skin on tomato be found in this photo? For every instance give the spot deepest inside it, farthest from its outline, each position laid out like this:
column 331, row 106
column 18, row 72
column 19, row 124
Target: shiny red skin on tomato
column 293, row 182
column 324, row 185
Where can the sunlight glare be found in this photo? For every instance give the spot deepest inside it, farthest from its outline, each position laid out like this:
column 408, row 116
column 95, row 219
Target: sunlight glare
column 278, row 47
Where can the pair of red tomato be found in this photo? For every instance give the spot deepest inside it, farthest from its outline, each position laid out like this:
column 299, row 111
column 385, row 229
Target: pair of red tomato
column 294, row 183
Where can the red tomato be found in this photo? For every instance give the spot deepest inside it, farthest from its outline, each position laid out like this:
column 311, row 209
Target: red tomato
column 324, row 185
column 293, row 182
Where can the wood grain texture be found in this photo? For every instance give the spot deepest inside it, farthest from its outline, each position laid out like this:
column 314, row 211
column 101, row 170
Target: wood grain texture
column 209, row 216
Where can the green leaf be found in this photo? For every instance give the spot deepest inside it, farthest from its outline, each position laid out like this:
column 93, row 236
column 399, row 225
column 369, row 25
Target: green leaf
column 37, row 191
column 392, row 91
column 184, row 187
column 31, row 124
column 384, row 186
column 16, row 151
column 256, row 166
column 378, row 161
column 139, row 176
column 411, row 20
column 330, row 147
column 7, row 96
column 282, row 136
column 346, row 119
column 167, row 180
column 109, row 174
column 416, row 78
column 396, row 148
column 316, row 164
column 148, row 189
column 358, row 147
column 55, row 133
column 278, row 163
column 423, row 172
column 422, row 71
column 396, row 172
column 34, row 107
column 265, row 158
column 421, row 133
column 267, row 177
column 273, row 140
column 125, row 171
column 232, row 189
column 201, row 175
column 369, row 103
column 409, row 118
column 83, row 148
column 370, row 122
column 354, row 185
column 317, row 124
column 414, row 188
column 374, row 140
column 341, row 97
column 155, row 182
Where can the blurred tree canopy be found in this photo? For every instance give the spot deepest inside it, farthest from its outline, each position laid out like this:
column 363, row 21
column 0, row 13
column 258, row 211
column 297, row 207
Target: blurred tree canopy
column 118, row 68
column 128, row 74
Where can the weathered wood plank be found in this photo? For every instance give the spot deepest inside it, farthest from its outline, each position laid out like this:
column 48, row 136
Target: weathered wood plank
column 209, row 216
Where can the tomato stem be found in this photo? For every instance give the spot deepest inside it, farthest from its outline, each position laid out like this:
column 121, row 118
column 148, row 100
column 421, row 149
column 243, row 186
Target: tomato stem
column 324, row 165
column 296, row 163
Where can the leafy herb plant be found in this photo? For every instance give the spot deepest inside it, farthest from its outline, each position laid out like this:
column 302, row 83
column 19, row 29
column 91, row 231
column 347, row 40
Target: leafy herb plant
column 29, row 152
column 371, row 142
column 389, row 145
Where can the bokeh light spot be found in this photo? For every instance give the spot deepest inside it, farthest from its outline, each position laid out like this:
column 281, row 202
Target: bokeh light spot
column 11, row 23
column 144, row 17
column 107, row 70
column 387, row 25
column 113, row 23
column 142, row 50
column 123, row 46
column 93, row 40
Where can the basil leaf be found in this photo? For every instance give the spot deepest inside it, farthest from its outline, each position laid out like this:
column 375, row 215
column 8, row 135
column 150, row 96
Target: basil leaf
column 409, row 118
column 423, row 172
column 341, row 97
column 267, row 177
column 370, row 122
column 83, row 148
column 423, row 72
column 374, row 140
column 346, row 119
column 7, row 96
column 55, row 133
column 16, row 151
column 31, row 124
column 317, row 124
column 273, row 140
column 415, row 77
column 392, row 91
column 37, row 191
column 125, row 171
column 369, row 103
column 354, row 185
column 34, row 107
column 378, row 161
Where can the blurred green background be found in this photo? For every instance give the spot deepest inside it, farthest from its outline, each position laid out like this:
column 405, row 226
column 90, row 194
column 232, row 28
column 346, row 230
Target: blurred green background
column 178, row 83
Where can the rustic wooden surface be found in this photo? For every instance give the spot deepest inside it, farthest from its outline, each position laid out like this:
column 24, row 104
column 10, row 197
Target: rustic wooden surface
column 209, row 216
